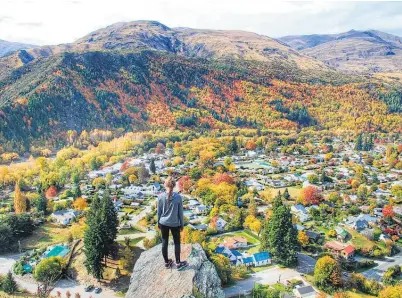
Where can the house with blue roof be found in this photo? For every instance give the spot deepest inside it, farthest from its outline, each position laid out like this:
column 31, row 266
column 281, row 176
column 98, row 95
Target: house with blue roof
column 262, row 258
column 249, row 261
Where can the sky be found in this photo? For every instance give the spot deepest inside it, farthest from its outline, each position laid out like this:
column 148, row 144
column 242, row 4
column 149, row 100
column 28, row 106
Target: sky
column 45, row 22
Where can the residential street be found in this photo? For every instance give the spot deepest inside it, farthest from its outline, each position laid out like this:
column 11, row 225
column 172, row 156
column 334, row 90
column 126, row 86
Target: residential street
column 269, row 276
column 383, row 265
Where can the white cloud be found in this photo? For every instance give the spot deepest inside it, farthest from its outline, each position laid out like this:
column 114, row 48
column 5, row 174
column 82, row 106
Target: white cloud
column 61, row 21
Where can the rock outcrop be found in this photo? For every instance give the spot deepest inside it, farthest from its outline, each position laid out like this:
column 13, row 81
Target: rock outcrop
column 150, row 279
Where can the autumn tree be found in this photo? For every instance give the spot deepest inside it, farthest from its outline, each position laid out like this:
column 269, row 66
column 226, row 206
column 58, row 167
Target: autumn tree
column 20, row 201
column 51, row 192
column 391, row 292
column 184, row 183
column 311, row 195
column 80, row 204
column 303, row 238
column 279, row 235
column 327, row 274
column 223, row 177
column 388, row 211
column 47, row 272
column 251, row 145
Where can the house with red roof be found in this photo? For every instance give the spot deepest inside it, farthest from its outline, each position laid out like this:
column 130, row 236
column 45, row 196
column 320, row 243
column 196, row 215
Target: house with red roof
column 339, row 249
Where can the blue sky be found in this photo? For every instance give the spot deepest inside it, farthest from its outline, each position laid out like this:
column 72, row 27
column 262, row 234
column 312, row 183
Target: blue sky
column 62, row 21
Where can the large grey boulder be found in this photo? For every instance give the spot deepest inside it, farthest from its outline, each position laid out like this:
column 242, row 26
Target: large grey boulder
column 150, row 278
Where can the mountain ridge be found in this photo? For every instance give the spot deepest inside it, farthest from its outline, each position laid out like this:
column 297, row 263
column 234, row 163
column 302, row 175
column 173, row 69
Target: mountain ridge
column 367, row 51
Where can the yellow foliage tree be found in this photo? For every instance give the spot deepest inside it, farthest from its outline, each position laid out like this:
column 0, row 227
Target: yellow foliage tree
column 391, row 292
column 303, row 238
column 20, row 202
column 80, row 204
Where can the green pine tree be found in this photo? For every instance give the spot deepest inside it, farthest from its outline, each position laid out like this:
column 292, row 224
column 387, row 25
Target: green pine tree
column 41, row 204
column 152, row 166
column 94, row 240
column 359, row 142
column 9, row 284
column 110, row 222
column 279, row 236
column 286, row 194
column 234, row 147
column 77, row 191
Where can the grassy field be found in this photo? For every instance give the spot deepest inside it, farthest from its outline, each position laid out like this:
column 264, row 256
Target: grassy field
column 47, row 234
column 129, row 231
column 133, row 242
column 293, row 191
column 359, row 241
column 261, row 268
column 358, row 294
column 250, row 238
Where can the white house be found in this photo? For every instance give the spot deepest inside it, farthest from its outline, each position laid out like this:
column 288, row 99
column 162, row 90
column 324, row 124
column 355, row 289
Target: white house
column 64, row 217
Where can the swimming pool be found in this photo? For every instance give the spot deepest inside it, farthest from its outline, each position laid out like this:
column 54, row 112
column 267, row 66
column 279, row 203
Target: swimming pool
column 58, row 251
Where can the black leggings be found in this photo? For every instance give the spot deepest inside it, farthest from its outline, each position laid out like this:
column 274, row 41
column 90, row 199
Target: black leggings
column 165, row 242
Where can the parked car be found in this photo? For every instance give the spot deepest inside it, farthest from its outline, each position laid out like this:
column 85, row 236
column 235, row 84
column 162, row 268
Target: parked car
column 98, row 290
column 88, row 288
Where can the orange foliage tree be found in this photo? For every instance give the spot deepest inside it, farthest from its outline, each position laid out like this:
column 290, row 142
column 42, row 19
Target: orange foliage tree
column 223, row 177
column 51, row 192
column 388, row 211
column 311, row 195
column 251, row 145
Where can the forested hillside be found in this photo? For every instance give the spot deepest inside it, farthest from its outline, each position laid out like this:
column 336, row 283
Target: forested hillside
column 76, row 91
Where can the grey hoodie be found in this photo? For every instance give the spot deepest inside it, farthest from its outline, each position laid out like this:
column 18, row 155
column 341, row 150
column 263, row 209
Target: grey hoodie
column 171, row 214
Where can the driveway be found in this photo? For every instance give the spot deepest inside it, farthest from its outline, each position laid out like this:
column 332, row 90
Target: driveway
column 64, row 285
column 383, row 265
column 269, row 276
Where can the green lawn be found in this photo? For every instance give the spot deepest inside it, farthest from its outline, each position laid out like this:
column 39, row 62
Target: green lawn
column 133, row 242
column 251, row 239
column 359, row 241
column 262, row 268
column 358, row 294
column 130, row 231
column 47, row 234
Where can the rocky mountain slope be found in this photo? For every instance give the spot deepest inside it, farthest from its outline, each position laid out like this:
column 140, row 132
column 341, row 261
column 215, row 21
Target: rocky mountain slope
column 361, row 51
column 150, row 35
column 8, row 47
column 151, row 279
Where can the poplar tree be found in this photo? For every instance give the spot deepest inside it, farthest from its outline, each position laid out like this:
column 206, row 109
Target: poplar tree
column 279, row 236
column 20, row 202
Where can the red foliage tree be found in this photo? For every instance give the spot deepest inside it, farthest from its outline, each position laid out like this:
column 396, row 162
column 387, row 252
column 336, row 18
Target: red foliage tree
column 388, row 211
column 124, row 166
column 184, row 183
column 51, row 192
column 251, row 145
column 223, row 177
column 312, row 195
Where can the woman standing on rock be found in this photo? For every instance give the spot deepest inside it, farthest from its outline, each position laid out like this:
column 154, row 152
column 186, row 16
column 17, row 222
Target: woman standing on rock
column 170, row 218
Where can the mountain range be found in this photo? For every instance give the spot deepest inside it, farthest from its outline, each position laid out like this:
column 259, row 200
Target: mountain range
column 358, row 51
column 8, row 47
column 142, row 75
